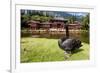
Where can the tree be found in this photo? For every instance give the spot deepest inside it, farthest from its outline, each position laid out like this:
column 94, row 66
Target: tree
column 72, row 19
column 35, row 17
column 41, row 18
column 85, row 22
column 24, row 19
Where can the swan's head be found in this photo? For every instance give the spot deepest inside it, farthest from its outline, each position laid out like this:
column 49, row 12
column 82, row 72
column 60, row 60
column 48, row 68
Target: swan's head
column 78, row 44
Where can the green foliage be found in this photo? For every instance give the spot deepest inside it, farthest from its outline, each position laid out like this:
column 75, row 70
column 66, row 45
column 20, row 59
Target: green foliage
column 71, row 19
column 41, row 18
column 24, row 19
column 35, row 17
column 85, row 22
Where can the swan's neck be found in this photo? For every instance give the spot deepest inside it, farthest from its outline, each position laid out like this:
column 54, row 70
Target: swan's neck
column 67, row 31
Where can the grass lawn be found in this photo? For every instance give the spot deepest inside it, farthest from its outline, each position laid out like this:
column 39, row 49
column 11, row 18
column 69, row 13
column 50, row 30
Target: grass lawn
column 43, row 50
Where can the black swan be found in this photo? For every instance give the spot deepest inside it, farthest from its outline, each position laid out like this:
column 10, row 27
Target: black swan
column 69, row 44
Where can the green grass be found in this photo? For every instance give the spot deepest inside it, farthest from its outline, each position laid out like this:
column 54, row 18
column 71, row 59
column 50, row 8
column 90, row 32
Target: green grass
column 43, row 50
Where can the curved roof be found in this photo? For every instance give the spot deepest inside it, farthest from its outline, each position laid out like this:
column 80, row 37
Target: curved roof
column 74, row 24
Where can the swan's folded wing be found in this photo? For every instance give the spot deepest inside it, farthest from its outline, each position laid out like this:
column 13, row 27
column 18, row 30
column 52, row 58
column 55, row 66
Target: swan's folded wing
column 67, row 44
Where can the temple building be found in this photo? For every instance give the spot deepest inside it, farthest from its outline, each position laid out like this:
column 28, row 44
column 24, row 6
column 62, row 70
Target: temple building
column 53, row 24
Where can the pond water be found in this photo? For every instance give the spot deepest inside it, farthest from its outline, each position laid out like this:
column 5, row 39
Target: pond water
column 83, row 35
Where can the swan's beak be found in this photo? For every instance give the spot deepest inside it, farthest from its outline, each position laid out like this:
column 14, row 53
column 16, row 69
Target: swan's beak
column 81, row 45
